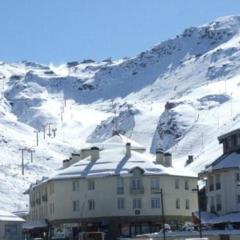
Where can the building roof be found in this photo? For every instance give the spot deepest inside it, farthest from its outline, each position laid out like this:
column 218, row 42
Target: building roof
column 33, row 224
column 225, row 161
column 9, row 217
column 210, row 218
column 220, row 138
column 115, row 162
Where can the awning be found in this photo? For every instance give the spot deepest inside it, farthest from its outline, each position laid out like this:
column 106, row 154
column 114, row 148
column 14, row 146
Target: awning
column 35, row 224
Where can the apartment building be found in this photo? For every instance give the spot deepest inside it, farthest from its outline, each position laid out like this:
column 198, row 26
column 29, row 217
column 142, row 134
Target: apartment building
column 117, row 189
column 223, row 177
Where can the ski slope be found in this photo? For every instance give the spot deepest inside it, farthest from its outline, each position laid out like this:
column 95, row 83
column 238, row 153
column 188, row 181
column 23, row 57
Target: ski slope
column 179, row 96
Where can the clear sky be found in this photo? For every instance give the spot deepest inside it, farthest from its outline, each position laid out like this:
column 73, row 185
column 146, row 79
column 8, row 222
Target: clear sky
column 66, row 30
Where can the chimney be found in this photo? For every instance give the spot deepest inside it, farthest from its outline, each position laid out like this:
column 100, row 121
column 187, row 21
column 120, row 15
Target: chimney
column 167, row 159
column 128, row 149
column 94, row 153
column 66, row 163
column 190, row 158
column 159, row 157
column 74, row 158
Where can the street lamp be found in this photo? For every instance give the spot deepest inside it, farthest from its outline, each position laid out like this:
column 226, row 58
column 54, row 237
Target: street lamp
column 163, row 217
column 199, row 210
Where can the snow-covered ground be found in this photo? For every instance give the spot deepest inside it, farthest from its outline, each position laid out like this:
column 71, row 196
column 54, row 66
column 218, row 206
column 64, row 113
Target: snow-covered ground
column 179, row 96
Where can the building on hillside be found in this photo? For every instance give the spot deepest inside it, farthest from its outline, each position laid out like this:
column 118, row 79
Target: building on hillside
column 114, row 187
column 10, row 226
column 223, row 182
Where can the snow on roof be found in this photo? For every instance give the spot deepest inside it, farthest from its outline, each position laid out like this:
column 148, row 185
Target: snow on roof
column 9, row 217
column 119, row 140
column 231, row 160
column 227, row 218
column 42, row 223
column 210, row 218
column 223, row 136
column 115, row 162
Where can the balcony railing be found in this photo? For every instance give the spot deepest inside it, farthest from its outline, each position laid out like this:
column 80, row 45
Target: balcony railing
column 155, row 190
column 137, row 190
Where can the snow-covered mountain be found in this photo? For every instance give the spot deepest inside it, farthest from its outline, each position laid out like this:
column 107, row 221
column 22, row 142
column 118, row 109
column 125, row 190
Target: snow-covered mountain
column 179, row 96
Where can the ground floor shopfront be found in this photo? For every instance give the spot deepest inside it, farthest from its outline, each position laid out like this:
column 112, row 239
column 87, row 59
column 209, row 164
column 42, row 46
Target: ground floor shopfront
column 114, row 227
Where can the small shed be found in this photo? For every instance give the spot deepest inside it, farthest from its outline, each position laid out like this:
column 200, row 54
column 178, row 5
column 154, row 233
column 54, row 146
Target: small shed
column 10, row 226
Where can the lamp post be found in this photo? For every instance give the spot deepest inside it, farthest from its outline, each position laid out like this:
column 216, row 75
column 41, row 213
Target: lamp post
column 163, row 216
column 199, row 210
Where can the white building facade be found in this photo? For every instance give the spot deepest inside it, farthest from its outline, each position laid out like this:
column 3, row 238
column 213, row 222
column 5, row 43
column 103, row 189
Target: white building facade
column 117, row 190
column 10, row 226
column 223, row 177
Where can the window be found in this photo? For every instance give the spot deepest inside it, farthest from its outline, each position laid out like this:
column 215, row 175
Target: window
column 120, row 203
column 137, row 203
column 120, row 185
column 218, row 202
column 234, row 140
column 178, row 203
column 187, row 206
column 75, row 185
column 237, row 177
column 155, row 184
column 91, row 204
column 226, row 144
column 155, row 203
column 51, row 208
column 51, row 188
column 238, row 198
column 136, row 184
column 212, row 204
column 186, row 185
column 211, row 184
column 76, row 206
column 91, row 184
column 218, row 182
column 176, row 183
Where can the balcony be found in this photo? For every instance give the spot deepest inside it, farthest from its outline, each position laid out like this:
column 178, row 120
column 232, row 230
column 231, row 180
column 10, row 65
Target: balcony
column 137, row 190
column 155, row 190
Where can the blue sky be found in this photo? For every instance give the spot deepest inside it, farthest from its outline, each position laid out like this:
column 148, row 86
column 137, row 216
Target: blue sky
column 65, row 30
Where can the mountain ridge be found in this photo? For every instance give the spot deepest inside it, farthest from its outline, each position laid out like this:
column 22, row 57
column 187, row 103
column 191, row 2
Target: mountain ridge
column 172, row 96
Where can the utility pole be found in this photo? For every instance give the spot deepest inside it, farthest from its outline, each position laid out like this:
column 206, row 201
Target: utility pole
column 199, row 210
column 44, row 131
column 49, row 129
column 37, row 139
column 61, row 112
column 31, row 152
column 163, row 216
column 54, row 132
column 22, row 151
